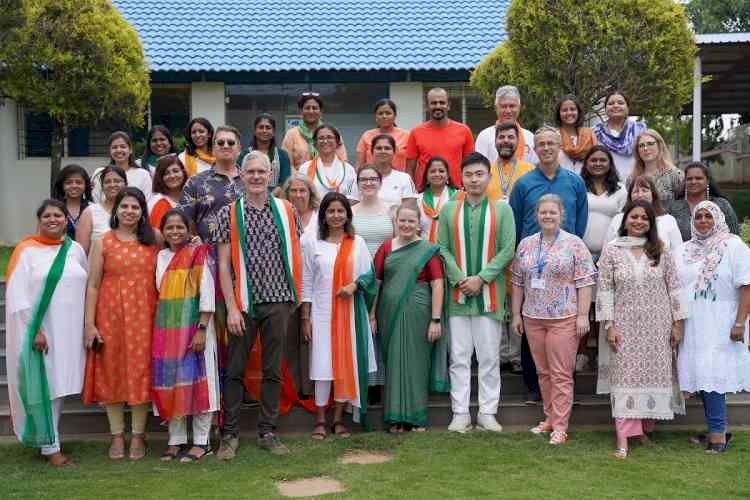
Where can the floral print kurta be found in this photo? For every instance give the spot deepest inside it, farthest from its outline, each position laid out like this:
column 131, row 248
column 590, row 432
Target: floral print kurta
column 642, row 300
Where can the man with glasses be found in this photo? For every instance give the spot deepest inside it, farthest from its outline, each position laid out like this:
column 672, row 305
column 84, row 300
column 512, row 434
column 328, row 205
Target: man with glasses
column 507, row 108
column 260, row 265
column 438, row 136
column 476, row 238
column 547, row 178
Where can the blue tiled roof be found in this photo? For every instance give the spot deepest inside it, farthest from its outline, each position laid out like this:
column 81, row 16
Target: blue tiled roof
column 305, row 35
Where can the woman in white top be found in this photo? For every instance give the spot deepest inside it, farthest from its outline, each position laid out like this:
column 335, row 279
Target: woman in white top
column 121, row 155
column 197, row 156
column 606, row 196
column 302, row 194
column 95, row 218
column 437, row 191
column 395, row 186
column 326, row 171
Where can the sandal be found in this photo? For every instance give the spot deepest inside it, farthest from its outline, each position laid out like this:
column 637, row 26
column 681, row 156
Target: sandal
column 716, row 448
column 647, row 442
column 192, row 457
column 700, row 439
column 620, row 453
column 168, row 455
column 319, row 431
column 117, row 452
column 342, row 432
column 138, row 453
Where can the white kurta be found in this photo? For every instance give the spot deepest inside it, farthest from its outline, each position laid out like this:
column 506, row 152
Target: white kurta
column 340, row 173
column 319, row 258
column 396, row 187
column 207, row 303
column 708, row 360
column 602, row 209
column 62, row 325
column 201, row 165
column 99, row 221
column 137, row 177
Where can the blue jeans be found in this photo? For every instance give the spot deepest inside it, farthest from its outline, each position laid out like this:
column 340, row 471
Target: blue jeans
column 715, row 409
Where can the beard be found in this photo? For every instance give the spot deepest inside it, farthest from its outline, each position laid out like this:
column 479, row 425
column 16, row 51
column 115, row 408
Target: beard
column 437, row 114
column 506, row 153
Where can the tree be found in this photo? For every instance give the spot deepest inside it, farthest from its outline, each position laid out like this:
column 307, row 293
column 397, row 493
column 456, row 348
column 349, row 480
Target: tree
column 643, row 48
column 725, row 16
column 79, row 61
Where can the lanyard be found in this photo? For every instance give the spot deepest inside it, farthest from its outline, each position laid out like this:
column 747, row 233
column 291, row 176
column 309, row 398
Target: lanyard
column 540, row 263
column 505, row 185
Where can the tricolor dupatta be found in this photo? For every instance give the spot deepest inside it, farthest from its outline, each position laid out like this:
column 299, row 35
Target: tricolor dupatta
column 283, row 216
column 180, row 385
column 431, row 208
column 467, row 258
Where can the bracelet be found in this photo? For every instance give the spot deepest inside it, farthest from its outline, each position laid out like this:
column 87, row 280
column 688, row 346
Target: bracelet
column 737, row 325
column 305, row 318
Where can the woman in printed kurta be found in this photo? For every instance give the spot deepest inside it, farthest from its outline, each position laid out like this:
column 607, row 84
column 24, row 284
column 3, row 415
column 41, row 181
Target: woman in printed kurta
column 46, row 283
column 638, row 299
column 337, row 290
column 120, row 302
column 713, row 359
column 552, row 278
column 184, row 364
column 409, row 310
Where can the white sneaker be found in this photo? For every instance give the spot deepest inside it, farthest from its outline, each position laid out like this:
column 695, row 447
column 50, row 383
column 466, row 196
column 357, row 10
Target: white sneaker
column 488, row 423
column 460, row 423
column 582, row 362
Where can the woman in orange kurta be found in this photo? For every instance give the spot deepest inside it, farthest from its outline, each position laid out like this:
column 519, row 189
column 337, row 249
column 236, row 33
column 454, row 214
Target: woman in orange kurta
column 120, row 304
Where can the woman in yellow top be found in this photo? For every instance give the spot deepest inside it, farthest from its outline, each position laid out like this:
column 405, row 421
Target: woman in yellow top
column 298, row 141
column 511, row 169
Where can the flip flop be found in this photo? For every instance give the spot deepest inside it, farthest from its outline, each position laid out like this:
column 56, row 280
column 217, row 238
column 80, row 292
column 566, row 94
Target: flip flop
column 191, row 457
column 319, row 431
column 167, row 455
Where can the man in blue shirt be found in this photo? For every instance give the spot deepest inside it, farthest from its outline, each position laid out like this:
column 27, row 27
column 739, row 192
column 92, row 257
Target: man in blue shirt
column 547, row 178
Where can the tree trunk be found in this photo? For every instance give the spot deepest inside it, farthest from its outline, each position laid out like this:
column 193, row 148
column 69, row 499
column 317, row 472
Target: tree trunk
column 56, row 150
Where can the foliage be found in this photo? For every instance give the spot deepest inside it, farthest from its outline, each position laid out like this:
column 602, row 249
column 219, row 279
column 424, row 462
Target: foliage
column 724, row 16
column 678, row 130
column 425, row 466
column 745, row 232
column 588, row 48
column 5, row 253
column 79, row 61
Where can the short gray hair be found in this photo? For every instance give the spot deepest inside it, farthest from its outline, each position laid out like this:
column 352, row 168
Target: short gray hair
column 314, row 198
column 548, row 128
column 508, row 91
column 551, row 198
column 257, row 155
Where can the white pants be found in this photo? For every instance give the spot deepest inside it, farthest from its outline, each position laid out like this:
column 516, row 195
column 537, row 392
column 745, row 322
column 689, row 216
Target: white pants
column 201, row 429
column 323, row 392
column 510, row 346
column 470, row 334
column 57, row 405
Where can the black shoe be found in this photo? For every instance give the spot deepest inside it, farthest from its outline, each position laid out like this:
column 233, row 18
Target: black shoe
column 533, row 398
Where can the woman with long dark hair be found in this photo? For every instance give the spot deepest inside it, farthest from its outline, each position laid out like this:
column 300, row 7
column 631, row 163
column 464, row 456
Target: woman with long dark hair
column 438, row 189
column 159, row 142
column 639, row 300
column 577, row 140
column 121, row 156
column 119, row 319
column 264, row 140
column 618, row 133
column 169, row 179
column 73, row 187
column 94, row 221
column 197, row 156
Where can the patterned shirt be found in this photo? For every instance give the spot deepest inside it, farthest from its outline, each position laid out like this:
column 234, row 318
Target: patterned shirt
column 204, row 195
column 567, row 267
column 265, row 265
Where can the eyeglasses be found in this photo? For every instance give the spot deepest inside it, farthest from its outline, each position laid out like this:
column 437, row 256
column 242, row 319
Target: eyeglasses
column 228, row 142
column 369, row 180
column 326, row 138
column 649, row 144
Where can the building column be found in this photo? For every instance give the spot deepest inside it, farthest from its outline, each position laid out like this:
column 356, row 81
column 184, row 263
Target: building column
column 207, row 100
column 697, row 108
column 410, row 102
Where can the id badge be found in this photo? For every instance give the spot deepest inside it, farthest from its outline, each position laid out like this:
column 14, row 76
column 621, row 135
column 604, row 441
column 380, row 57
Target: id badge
column 538, row 283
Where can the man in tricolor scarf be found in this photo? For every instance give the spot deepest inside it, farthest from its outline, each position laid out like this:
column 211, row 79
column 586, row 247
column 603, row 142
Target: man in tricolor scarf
column 260, row 270
column 476, row 238
column 507, row 108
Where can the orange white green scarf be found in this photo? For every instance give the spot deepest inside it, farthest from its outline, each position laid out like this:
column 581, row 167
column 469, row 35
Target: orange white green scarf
column 471, row 260
column 313, row 173
column 431, row 208
column 191, row 165
column 283, row 216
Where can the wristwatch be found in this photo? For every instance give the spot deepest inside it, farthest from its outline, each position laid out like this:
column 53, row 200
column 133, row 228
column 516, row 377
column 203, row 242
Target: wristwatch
column 435, row 320
column 201, row 326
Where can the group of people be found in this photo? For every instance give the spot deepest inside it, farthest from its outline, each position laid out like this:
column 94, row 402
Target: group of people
column 178, row 282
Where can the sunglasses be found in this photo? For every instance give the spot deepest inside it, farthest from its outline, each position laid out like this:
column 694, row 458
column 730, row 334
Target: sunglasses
column 310, row 94
column 228, row 142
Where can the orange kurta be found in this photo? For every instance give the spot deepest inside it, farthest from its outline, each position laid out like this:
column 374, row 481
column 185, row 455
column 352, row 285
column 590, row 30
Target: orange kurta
column 121, row 370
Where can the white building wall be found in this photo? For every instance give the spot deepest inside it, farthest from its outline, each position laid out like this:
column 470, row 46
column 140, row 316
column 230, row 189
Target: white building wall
column 410, row 103
column 207, row 100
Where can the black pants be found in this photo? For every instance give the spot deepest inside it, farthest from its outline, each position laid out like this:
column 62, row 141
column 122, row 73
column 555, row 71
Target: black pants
column 272, row 319
column 530, row 377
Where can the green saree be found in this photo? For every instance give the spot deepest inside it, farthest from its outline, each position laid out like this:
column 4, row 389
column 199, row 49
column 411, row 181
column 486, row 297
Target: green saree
column 413, row 365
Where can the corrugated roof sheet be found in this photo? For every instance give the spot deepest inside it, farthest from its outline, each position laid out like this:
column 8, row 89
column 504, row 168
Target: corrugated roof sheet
column 304, row 35
column 716, row 38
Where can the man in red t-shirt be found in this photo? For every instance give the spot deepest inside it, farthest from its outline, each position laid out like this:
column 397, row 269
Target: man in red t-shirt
column 438, row 136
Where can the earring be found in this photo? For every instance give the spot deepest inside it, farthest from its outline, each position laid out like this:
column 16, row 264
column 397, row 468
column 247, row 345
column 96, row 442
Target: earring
column 708, row 192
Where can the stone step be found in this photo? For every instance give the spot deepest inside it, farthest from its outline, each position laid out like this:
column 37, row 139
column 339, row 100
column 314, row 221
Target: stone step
column 3, row 364
column 79, row 419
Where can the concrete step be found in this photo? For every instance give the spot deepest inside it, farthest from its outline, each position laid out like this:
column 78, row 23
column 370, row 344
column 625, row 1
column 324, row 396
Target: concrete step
column 79, row 419
column 3, row 364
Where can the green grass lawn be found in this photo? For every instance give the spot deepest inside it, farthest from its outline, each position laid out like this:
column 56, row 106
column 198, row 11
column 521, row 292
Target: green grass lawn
column 431, row 465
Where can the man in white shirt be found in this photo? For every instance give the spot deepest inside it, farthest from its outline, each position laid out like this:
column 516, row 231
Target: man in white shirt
column 507, row 108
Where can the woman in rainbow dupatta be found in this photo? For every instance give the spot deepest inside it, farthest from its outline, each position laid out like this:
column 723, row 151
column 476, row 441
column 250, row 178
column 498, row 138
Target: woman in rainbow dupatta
column 338, row 288
column 184, row 362
column 46, row 288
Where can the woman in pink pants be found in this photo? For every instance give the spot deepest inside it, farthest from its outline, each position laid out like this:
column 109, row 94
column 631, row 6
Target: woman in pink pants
column 553, row 274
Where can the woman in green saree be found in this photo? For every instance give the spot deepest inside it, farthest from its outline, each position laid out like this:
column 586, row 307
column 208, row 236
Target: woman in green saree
column 408, row 312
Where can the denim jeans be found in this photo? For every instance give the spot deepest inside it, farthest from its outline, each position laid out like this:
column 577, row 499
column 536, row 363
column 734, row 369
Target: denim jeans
column 715, row 409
